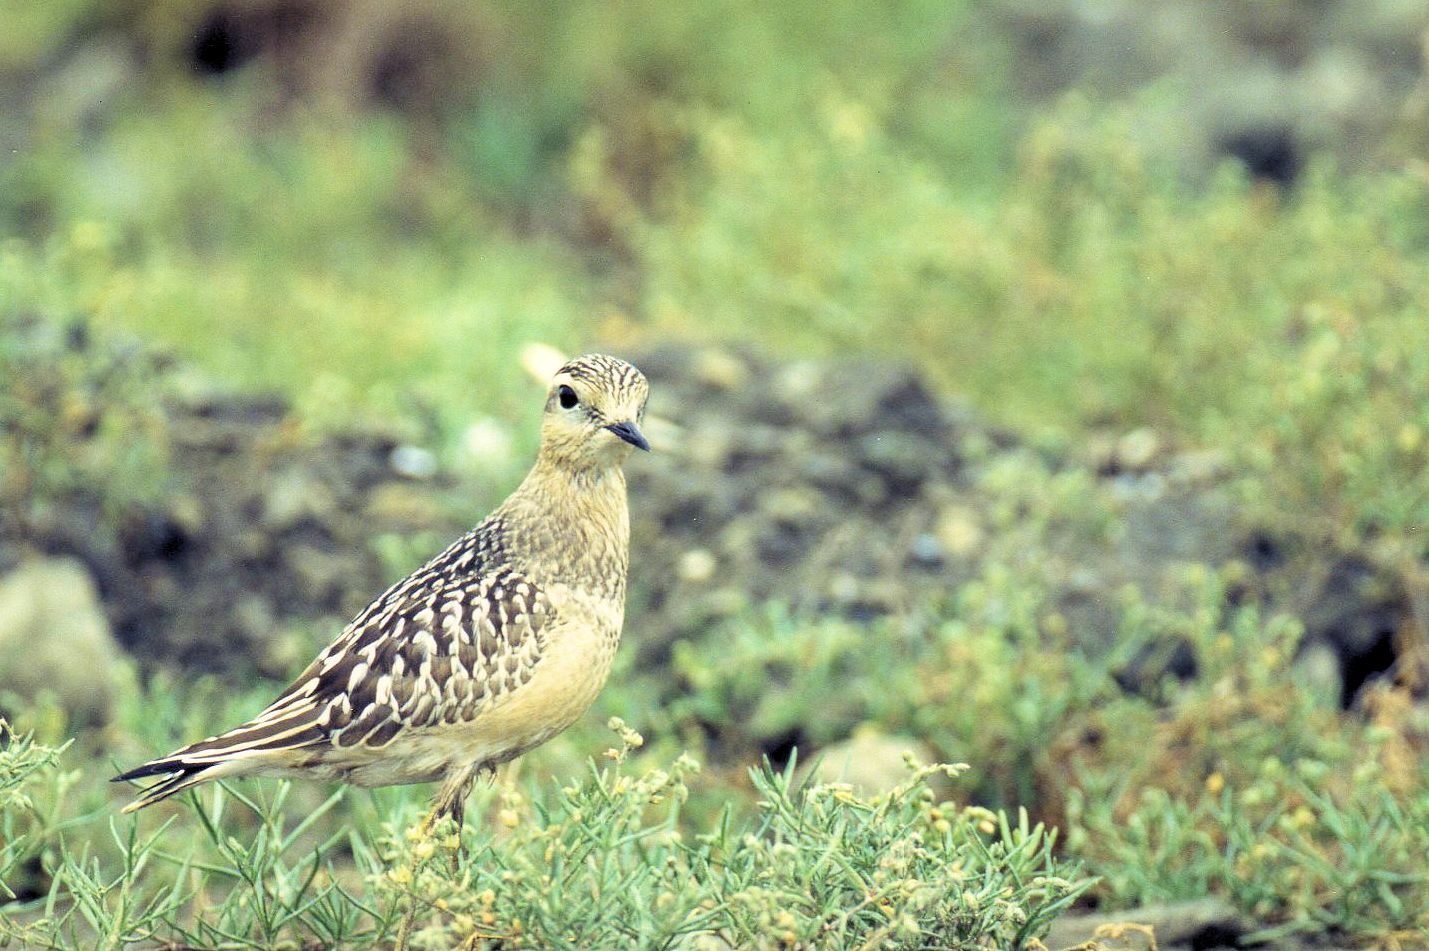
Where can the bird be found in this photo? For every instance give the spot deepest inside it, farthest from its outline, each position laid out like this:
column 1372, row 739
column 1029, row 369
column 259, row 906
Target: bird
column 488, row 650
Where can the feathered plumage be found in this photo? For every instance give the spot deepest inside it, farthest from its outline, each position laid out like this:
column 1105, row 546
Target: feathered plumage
column 492, row 647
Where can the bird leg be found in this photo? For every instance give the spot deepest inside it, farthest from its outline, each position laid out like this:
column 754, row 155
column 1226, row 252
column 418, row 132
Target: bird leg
column 451, row 801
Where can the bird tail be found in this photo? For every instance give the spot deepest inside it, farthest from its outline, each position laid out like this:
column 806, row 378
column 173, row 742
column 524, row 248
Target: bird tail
column 236, row 752
column 177, row 782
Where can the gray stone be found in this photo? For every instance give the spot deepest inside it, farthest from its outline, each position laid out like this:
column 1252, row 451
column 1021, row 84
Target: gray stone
column 293, row 495
column 871, row 763
column 55, row 639
column 1203, row 923
column 1317, row 669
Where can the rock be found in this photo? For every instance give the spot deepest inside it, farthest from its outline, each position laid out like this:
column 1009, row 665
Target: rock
column 698, row 565
column 413, row 462
column 488, row 446
column 720, row 370
column 1337, row 610
column 1201, row 924
column 1136, row 450
column 806, row 472
column 294, row 494
column 869, row 762
column 927, row 551
column 1346, row 601
column 959, row 530
column 860, row 493
column 55, row 639
column 1317, row 669
column 795, row 506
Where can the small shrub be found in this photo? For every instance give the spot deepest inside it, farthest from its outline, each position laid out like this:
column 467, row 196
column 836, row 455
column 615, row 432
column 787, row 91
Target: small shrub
column 604, row 862
column 1250, row 787
column 23, row 764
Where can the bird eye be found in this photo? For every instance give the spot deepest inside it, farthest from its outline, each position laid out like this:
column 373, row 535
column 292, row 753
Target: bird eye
column 567, row 396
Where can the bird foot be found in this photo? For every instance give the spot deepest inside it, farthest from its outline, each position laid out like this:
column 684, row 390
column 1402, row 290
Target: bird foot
column 441, row 836
column 473, row 940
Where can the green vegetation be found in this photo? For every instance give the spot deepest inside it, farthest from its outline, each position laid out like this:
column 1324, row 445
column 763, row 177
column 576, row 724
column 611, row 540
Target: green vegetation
column 795, row 175
column 1241, row 783
column 1237, row 783
column 1248, row 786
column 1095, row 291
column 599, row 863
column 74, row 423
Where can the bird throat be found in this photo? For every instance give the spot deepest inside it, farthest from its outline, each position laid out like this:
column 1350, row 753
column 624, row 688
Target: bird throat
column 585, row 521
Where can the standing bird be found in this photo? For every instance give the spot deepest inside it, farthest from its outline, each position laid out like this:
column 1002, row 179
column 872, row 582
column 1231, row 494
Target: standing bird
column 491, row 648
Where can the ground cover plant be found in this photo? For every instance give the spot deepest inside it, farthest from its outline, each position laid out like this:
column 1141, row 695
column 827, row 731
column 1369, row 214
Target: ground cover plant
column 1146, row 304
column 1242, row 783
column 601, row 862
column 788, row 175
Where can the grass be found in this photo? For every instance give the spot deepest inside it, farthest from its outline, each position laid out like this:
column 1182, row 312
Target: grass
column 787, row 175
column 1250, row 786
column 597, row 863
column 1095, row 291
column 1285, row 328
column 1241, row 783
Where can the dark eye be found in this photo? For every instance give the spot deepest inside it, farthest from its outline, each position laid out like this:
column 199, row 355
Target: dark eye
column 567, row 396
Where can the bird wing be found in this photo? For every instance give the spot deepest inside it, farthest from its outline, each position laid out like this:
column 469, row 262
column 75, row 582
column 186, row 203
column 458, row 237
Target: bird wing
column 433, row 651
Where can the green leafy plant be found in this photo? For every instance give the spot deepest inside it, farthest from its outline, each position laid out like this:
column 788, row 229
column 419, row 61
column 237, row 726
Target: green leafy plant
column 602, row 861
column 1251, row 787
column 23, row 764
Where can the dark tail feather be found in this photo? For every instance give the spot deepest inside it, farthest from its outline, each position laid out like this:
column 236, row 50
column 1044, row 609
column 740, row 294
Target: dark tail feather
column 158, row 767
column 181, row 778
column 275, row 733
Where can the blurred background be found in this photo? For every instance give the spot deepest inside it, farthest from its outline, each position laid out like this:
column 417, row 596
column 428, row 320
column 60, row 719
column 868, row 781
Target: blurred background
column 1051, row 383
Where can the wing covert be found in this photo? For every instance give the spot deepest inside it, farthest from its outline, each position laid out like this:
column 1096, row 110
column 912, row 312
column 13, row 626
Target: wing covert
column 432, row 656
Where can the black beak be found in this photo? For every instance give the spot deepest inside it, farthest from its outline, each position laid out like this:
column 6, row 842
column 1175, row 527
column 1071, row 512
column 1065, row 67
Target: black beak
column 630, row 434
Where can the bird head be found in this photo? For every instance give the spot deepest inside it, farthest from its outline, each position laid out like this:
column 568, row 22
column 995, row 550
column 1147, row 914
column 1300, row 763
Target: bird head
column 593, row 413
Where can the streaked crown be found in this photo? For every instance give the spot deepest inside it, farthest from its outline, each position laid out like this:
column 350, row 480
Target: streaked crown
column 617, row 380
